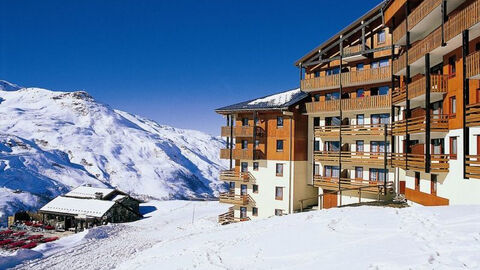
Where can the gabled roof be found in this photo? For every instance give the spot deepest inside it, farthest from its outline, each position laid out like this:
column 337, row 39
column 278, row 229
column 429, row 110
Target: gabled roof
column 75, row 206
column 88, row 192
column 278, row 101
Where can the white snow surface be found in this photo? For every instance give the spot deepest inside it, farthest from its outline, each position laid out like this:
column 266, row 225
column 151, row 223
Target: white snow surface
column 277, row 99
column 51, row 142
column 185, row 235
column 75, row 206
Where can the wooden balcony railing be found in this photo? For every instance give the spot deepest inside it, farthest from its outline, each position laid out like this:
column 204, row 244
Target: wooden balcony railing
column 438, row 123
column 351, row 78
column 357, row 158
column 241, row 131
column 473, row 115
column 351, row 104
column 439, row 162
column 464, row 19
column 399, row 32
column 229, row 217
column 327, row 131
column 438, row 84
column 247, row 154
column 399, row 63
column 231, row 198
column 473, row 64
column 473, row 166
column 352, row 130
column 330, row 183
column 231, row 175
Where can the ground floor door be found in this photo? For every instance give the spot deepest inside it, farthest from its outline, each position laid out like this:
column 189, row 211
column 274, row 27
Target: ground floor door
column 329, row 200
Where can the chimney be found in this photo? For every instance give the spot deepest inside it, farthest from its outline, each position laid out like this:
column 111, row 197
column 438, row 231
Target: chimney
column 98, row 195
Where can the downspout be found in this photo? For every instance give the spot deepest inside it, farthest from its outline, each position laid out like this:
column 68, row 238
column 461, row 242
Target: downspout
column 290, row 114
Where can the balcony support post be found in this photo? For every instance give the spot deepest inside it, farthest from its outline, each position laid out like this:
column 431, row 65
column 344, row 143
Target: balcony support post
column 427, row 113
column 231, row 142
column 407, row 81
column 385, row 159
column 444, row 19
column 341, row 119
column 254, row 134
column 363, row 36
column 392, row 111
column 466, row 97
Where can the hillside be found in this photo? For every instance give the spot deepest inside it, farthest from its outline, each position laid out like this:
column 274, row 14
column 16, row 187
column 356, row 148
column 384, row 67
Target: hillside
column 52, row 141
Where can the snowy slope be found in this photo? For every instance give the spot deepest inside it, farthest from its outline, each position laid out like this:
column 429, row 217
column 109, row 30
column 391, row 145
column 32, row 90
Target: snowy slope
column 69, row 138
column 339, row 238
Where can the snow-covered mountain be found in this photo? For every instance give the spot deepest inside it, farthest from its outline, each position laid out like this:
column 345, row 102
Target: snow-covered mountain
column 52, row 141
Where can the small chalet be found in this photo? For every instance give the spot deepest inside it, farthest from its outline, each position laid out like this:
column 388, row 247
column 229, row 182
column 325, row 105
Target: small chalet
column 87, row 206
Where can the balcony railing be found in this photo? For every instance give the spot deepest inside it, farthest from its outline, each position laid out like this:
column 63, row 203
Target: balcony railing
column 473, row 166
column 241, row 131
column 246, row 154
column 464, row 19
column 439, row 162
column 231, row 175
column 350, row 104
column 351, row 78
column 473, row 115
column 366, row 130
column 357, row 158
column 368, row 186
column 231, row 198
column 438, row 123
column 229, row 217
column 473, row 65
column 438, row 84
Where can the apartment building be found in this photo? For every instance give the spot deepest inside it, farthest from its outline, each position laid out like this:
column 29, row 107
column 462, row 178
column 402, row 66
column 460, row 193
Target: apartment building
column 348, row 79
column 266, row 142
column 436, row 106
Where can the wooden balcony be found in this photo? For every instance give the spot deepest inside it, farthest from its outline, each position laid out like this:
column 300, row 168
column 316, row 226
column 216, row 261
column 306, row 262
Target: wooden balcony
column 366, row 130
column 473, row 166
column 473, row 66
column 245, row 154
column 327, row 131
column 473, row 115
column 231, row 198
column 416, row 162
column 241, row 131
column 352, row 104
column 352, row 78
column 231, row 175
column 417, row 88
column 229, row 217
column 353, row 158
column 438, row 123
column 329, row 183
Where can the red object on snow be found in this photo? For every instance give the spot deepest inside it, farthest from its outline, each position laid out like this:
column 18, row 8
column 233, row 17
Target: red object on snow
column 49, row 239
column 29, row 245
column 22, row 233
column 6, row 242
column 48, row 227
column 6, row 232
column 33, row 237
column 29, row 223
column 37, row 225
column 16, row 244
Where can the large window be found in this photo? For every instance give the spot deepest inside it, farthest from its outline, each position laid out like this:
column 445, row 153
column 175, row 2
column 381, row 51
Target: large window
column 360, row 66
column 332, row 121
column 359, row 146
column 255, row 188
column 453, row 106
column 278, row 193
column 279, row 145
column 243, row 189
column 279, row 169
column 333, row 71
column 359, row 173
column 381, row 37
column 316, row 121
column 453, row 147
column 243, row 212
column 255, row 166
column 332, row 146
column 244, row 122
column 378, row 146
column 254, row 211
column 244, row 166
column 360, row 119
column 231, row 187
column 317, row 169
column 332, row 96
column 316, row 146
column 332, row 171
column 378, row 174
column 279, row 121
column 317, row 74
column 383, row 118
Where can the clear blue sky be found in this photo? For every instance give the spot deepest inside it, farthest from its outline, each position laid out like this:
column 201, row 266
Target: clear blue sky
column 170, row 61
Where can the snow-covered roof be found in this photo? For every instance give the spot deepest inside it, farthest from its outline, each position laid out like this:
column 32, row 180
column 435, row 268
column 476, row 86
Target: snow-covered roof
column 88, row 192
column 75, row 206
column 277, row 101
column 118, row 197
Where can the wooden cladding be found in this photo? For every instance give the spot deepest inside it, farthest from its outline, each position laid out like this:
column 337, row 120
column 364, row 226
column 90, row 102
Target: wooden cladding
column 245, row 154
column 438, row 123
column 350, row 104
column 473, row 115
column 473, row 64
column 351, row 78
column 416, row 162
column 241, row 131
column 231, row 175
column 231, row 198
column 399, row 32
column 336, row 184
column 464, row 19
column 399, row 63
column 352, row 130
column 438, row 84
column 354, row 49
column 229, row 217
column 356, row 158
column 473, row 166
column 424, row 198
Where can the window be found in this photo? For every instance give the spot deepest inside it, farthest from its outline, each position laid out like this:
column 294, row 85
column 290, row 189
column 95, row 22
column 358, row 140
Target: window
column 255, row 188
column 378, row 174
column 477, row 46
column 332, row 171
column 316, row 146
column 244, row 122
column 358, row 172
column 244, row 166
column 231, row 187
column 433, row 185
column 383, row 118
column 360, row 93
column 278, row 212
column 279, row 121
column 256, row 120
column 279, row 193
column 453, row 147
column 360, row 66
column 332, row 96
column 255, row 211
column 243, row 212
column 437, row 146
column 316, row 121
column 279, row 145
column 332, row 71
column 317, row 169
column 332, row 146
column 332, row 121
column 360, row 119
column 279, row 169
column 316, row 97
column 244, row 144
column 453, row 106
column 255, row 166
column 383, row 90
column 256, row 144
column 243, row 189
column 384, row 63
column 417, row 181
column 451, row 66
column 359, row 146
column 317, row 74
column 378, row 146
column 375, row 64
column 381, row 37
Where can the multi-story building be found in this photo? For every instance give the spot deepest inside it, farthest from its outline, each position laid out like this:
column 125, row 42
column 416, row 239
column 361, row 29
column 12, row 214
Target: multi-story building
column 348, row 79
column 436, row 105
column 266, row 142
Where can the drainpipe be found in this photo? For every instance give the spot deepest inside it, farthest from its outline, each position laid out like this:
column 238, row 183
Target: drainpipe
column 290, row 203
